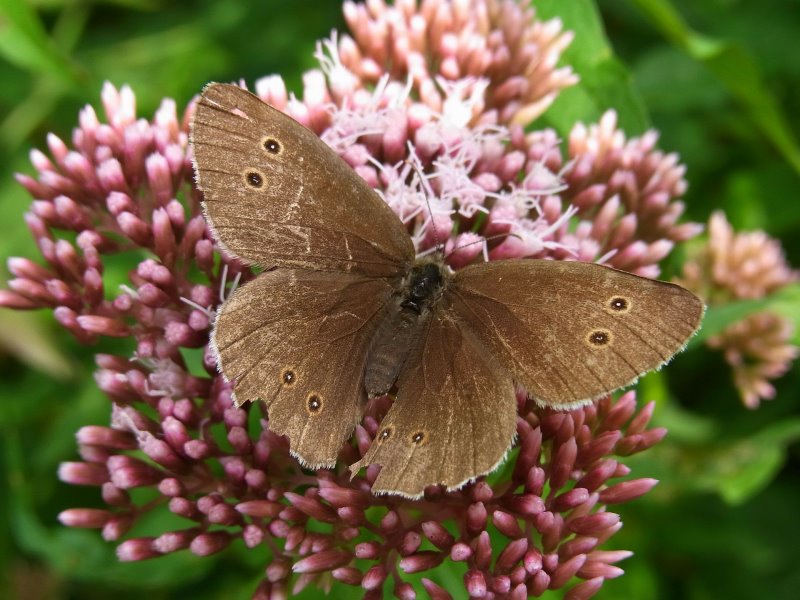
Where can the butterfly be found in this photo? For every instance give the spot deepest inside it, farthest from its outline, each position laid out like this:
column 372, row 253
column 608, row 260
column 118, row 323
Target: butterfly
column 344, row 311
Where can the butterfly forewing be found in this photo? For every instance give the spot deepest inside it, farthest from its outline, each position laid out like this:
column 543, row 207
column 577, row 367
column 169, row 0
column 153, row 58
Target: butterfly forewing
column 454, row 416
column 572, row 331
column 276, row 195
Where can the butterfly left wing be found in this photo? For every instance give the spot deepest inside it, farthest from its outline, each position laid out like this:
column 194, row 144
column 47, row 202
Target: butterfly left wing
column 572, row 331
column 298, row 340
column 453, row 419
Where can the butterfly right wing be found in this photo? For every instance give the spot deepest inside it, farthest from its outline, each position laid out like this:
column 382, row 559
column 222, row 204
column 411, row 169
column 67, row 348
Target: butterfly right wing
column 277, row 195
column 298, row 341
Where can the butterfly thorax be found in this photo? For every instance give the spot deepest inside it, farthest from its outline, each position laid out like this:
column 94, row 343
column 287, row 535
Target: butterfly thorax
column 402, row 323
column 423, row 286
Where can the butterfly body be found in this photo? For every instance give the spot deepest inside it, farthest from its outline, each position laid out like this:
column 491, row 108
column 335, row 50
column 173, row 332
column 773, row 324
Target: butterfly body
column 400, row 328
column 345, row 311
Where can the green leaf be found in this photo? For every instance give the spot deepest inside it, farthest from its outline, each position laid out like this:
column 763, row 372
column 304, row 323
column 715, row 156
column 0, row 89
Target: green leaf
column 785, row 302
column 24, row 336
column 24, row 42
column 756, row 198
column 735, row 68
column 605, row 83
column 30, row 112
column 684, row 426
column 749, row 465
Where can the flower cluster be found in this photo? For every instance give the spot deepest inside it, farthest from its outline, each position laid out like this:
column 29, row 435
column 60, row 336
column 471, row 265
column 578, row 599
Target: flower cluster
column 500, row 42
column 447, row 151
column 482, row 184
column 549, row 513
column 746, row 266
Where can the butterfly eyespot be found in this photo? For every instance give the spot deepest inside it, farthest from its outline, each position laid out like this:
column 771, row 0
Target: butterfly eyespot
column 599, row 337
column 288, row 377
column 418, row 437
column 618, row 304
column 254, row 179
column 385, row 434
column 272, row 145
column 314, row 403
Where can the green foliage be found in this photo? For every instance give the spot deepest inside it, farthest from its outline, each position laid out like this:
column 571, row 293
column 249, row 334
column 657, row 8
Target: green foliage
column 605, row 82
column 785, row 302
column 735, row 68
column 724, row 95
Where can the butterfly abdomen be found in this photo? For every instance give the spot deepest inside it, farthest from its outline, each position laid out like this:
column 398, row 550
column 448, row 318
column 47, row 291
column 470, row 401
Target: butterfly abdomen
column 390, row 347
column 401, row 326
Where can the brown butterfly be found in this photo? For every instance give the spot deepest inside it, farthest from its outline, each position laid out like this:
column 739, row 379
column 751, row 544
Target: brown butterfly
column 344, row 311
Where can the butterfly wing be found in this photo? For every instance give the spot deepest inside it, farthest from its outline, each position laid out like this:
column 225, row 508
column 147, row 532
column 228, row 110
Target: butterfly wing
column 276, row 195
column 453, row 419
column 571, row 331
column 298, row 340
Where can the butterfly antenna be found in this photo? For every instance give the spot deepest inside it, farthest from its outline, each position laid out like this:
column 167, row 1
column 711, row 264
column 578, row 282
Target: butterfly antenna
column 427, row 193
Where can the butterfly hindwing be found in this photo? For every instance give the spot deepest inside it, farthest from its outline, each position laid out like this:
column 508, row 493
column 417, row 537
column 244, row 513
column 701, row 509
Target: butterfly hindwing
column 298, row 341
column 454, row 416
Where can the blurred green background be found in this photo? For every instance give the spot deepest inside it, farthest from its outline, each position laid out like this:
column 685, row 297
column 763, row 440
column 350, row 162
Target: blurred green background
column 719, row 78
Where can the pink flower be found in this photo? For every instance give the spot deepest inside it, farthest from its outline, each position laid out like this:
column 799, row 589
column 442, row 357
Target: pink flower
column 447, row 152
column 736, row 266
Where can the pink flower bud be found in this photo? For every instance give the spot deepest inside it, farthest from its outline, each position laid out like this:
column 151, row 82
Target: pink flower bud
column 327, row 560
column 476, row 517
column 348, row 575
column 507, row 524
column 601, row 446
column 340, row 497
column 538, row 583
column 374, row 578
column 85, row 517
column 111, row 176
column 435, row 591
column 136, row 549
column 367, row 550
column 593, row 569
column 106, row 436
column 224, row 514
column 421, row 561
column 460, row 552
column 566, row 571
column 527, row 504
column 627, row 490
column 83, row 473
column 594, row 523
column 390, row 522
column 159, row 178
column 410, row 544
column 475, row 583
column 437, row 534
column 17, row 301
column 127, row 472
column 585, row 590
column 577, row 545
column 483, row 551
column 206, row 544
column 571, row 499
